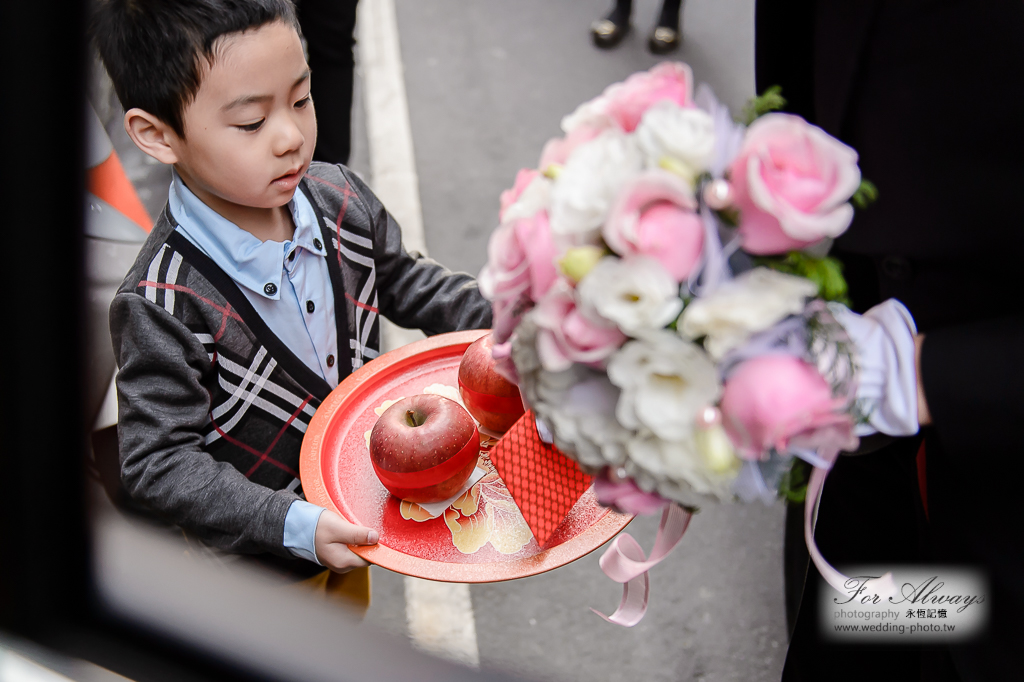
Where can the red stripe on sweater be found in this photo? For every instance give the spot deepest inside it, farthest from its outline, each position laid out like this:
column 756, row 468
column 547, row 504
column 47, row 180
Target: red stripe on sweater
column 360, row 303
column 265, row 456
column 185, row 290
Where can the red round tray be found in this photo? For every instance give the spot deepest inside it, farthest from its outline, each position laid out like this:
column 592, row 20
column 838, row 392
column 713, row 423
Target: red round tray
column 482, row 537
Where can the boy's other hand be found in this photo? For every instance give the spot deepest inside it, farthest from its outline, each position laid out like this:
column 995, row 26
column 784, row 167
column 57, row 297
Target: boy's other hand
column 333, row 535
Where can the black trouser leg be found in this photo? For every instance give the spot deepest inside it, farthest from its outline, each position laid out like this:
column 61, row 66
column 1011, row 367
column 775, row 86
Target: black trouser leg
column 795, row 560
column 621, row 12
column 329, row 28
column 868, row 517
column 670, row 10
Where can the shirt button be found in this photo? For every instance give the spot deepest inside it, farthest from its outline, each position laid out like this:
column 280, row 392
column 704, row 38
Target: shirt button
column 330, row 361
column 310, row 307
column 270, row 289
column 291, row 256
column 317, row 244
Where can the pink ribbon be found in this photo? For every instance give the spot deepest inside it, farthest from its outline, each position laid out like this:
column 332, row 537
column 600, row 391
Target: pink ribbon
column 884, row 586
column 624, row 562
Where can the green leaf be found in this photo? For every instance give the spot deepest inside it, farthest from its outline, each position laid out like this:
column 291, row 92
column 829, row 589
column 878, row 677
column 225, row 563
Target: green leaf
column 769, row 100
column 793, row 486
column 865, row 195
column 826, row 272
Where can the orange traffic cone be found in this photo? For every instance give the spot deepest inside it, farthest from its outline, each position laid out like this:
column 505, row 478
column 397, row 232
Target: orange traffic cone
column 116, row 225
column 108, row 181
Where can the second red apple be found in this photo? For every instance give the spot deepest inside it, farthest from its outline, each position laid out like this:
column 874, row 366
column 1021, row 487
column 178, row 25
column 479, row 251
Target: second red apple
column 494, row 401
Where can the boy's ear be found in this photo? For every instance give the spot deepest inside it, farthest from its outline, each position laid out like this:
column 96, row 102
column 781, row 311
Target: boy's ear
column 151, row 135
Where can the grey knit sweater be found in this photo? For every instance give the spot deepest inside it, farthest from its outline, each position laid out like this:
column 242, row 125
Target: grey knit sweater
column 212, row 406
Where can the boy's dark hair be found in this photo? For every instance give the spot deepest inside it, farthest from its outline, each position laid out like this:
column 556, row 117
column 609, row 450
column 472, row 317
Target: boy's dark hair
column 153, row 49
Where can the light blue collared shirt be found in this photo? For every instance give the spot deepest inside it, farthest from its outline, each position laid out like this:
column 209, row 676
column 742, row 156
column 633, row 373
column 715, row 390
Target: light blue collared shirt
column 289, row 285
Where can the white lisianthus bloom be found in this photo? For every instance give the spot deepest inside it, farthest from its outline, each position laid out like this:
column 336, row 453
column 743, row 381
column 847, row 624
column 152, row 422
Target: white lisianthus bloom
column 636, row 293
column 685, row 136
column 665, row 381
column 588, row 185
column 584, row 415
column 739, row 308
column 578, row 404
column 679, row 461
column 536, row 197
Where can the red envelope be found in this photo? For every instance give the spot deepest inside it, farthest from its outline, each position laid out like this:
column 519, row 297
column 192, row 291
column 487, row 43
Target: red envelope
column 543, row 481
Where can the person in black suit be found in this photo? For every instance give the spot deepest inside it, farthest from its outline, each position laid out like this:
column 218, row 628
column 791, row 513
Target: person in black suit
column 931, row 95
column 329, row 29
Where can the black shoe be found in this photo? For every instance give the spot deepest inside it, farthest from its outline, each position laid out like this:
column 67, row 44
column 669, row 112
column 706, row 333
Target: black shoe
column 607, row 34
column 664, row 40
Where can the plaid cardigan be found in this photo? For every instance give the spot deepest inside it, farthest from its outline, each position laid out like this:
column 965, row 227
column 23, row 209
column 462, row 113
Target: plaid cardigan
column 212, row 406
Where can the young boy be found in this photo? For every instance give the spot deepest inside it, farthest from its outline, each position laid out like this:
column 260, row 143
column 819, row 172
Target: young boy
column 260, row 286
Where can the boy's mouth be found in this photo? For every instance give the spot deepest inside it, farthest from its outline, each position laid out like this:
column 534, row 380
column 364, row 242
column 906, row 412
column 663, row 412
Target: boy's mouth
column 289, row 177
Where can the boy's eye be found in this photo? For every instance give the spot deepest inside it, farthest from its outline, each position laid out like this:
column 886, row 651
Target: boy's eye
column 251, row 127
column 303, row 102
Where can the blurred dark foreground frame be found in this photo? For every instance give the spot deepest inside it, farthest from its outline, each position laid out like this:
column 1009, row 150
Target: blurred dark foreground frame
column 76, row 580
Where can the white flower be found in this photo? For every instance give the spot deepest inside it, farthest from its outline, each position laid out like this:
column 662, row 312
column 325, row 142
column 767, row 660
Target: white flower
column 536, row 197
column 636, row 293
column 589, row 184
column 665, row 381
column 683, row 135
column 681, row 462
column 580, row 406
column 592, row 113
column 739, row 308
column 584, row 415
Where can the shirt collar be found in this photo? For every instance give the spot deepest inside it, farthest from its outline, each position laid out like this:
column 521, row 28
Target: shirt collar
column 256, row 265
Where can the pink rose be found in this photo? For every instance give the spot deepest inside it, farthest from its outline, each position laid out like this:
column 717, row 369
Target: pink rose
column 627, row 101
column 773, row 401
column 558, row 149
column 793, row 182
column 566, row 335
column 655, row 216
column 520, row 269
column 510, row 196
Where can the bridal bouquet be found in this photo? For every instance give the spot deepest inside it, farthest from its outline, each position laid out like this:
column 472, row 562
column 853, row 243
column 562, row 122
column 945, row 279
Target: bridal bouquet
column 661, row 292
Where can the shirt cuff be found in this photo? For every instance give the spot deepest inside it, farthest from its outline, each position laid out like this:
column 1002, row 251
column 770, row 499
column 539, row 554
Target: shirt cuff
column 300, row 530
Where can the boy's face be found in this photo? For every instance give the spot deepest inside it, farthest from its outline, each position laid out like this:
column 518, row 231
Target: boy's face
column 250, row 132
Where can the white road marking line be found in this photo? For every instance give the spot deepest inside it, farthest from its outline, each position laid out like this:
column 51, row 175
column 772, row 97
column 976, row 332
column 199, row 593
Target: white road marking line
column 439, row 615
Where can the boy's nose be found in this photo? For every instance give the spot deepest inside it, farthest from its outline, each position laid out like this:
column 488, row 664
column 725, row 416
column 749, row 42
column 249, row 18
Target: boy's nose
column 289, row 137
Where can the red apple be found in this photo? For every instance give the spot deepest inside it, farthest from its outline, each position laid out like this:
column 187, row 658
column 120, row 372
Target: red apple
column 490, row 397
column 424, row 448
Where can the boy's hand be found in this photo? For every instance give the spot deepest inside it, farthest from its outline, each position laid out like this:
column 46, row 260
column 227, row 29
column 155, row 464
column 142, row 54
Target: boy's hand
column 333, row 534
